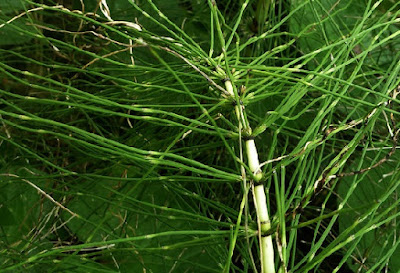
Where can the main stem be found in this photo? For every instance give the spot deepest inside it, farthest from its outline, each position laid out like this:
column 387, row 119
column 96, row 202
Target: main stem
column 264, row 225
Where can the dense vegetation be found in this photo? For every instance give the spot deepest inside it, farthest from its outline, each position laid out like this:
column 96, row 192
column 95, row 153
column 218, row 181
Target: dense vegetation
column 125, row 131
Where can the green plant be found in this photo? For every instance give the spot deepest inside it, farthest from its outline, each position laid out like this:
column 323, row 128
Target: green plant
column 129, row 133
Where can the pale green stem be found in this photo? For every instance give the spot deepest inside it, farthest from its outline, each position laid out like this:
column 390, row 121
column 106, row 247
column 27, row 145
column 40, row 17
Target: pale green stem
column 252, row 157
column 264, row 225
column 266, row 247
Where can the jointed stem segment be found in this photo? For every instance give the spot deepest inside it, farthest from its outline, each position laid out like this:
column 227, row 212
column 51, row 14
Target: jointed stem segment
column 266, row 246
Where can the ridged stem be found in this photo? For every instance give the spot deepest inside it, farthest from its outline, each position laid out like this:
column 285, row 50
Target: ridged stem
column 264, row 225
column 266, row 246
column 260, row 201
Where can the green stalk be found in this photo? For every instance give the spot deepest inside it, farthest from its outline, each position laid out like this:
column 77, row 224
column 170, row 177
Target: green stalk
column 264, row 225
column 266, row 246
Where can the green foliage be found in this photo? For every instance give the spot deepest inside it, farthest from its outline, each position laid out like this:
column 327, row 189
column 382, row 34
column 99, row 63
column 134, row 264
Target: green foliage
column 123, row 152
column 379, row 234
column 9, row 8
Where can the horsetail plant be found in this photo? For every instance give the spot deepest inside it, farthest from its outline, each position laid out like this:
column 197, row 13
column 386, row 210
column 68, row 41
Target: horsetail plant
column 199, row 136
column 260, row 202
